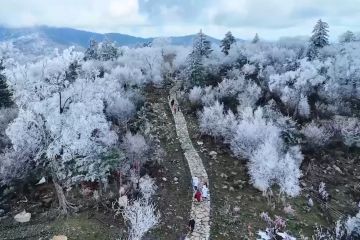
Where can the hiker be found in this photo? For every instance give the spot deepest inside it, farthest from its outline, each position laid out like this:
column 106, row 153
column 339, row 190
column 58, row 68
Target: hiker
column 172, row 102
column 191, row 225
column 198, row 195
column 195, row 183
column 175, row 108
column 200, row 184
column 205, row 191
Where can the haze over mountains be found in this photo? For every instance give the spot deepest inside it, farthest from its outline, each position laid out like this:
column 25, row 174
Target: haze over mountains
column 38, row 39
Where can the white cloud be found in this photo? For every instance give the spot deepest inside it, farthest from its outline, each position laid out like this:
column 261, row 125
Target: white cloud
column 270, row 18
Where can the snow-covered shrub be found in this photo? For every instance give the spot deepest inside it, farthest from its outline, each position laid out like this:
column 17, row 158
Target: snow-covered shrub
column 147, row 187
column 141, row 216
column 248, row 69
column 349, row 129
column 120, row 108
column 269, row 165
column 195, row 95
column 209, row 97
column 230, row 87
column 249, row 95
column 316, row 135
column 214, row 122
column 259, row 139
column 352, row 226
column 135, row 147
column 251, row 132
column 141, row 213
column 303, row 106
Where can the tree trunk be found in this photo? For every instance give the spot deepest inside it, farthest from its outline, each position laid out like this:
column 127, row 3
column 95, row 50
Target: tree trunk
column 64, row 205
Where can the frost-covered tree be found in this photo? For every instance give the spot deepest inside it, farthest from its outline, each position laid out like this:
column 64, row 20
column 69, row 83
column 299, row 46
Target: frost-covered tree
column 141, row 214
column 92, row 51
column 195, row 95
column 347, row 36
column 201, row 49
column 202, row 45
column 226, row 43
column 108, row 51
column 5, row 92
column 135, row 147
column 215, row 122
column 62, row 123
column 349, row 129
column 256, row 39
column 316, row 135
column 104, row 51
column 319, row 38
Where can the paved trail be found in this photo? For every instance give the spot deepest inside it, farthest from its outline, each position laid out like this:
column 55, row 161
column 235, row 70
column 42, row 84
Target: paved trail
column 200, row 211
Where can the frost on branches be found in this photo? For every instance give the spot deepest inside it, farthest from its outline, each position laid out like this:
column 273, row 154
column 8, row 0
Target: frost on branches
column 259, row 140
column 141, row 213
column 68, row 105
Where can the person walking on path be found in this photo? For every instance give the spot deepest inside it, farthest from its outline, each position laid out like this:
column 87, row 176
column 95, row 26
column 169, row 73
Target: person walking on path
column 198, row 195
column 195, row 183
column 175, row 108
column 191, row 225
column 205, row 191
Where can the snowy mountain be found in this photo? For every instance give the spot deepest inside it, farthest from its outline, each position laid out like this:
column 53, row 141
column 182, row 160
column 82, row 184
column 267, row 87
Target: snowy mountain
column 40, row 38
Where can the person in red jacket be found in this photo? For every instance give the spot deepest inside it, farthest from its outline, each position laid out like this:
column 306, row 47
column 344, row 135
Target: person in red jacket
column 198, row 195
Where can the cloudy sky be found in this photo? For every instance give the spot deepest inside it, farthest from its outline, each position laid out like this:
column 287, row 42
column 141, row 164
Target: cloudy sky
column 270, row 18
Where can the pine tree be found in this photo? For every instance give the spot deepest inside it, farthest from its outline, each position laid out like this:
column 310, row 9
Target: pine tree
column 348, row 36
column 227, row 42
column 201, row 49
column 202, row 45
column 256, row 39
column 107, row 50
column 319, row 39
column 92, row 51
column 5, row 93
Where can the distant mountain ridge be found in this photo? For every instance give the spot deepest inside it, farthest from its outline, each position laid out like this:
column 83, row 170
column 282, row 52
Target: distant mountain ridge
column 64, row 37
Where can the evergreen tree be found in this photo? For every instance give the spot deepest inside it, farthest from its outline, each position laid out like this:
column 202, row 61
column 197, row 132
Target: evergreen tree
column 320, row 36
column 5, row 93
column 201, row 49
column 92, row 51
column 107, row 50
column 201, row 45
column 72, row 72
column 348, row 36
column 227, row 42
column 195, row 71
column 256, row 39
column 319, row 39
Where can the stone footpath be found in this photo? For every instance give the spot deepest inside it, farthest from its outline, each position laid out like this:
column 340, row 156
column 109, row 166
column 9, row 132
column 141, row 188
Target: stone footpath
column 200, row 211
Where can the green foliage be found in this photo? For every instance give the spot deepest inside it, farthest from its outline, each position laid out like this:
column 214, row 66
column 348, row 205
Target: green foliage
column 104, row 51
column 5, row 93
column 319, row 39
column 226, row 43
column 195, row 69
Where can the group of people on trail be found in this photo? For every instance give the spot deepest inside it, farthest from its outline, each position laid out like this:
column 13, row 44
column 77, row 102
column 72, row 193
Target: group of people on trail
column 201, row 193
column 200, row 188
